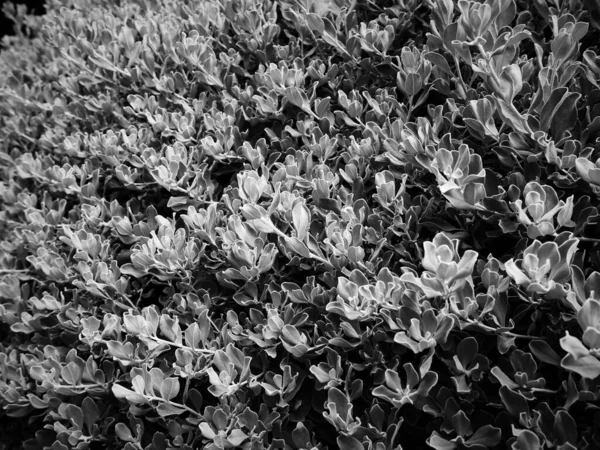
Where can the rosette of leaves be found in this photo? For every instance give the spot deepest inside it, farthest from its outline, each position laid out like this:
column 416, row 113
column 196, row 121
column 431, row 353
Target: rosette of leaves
column 583, row 355
column 460, row 176
column 540, row 210
column 445, row 270
column 545, row 268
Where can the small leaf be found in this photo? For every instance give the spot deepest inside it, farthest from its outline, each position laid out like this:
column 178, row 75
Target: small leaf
column 123, row 432
column 167, row 409
column 236, row 437
column 71, row 373
column 297, row 97
column 467, row 350
column 462, row 424
column 315, row 23
column 193, row 335
column 487, row 436
column 301, row 436
column 170, row 328
column 439, row 443
column 565, row 428
column 206, row 430
column 124, row 393
column 586, row 366
column 75, row 415
column 528, row 440
column 542, row 351
column 90, row 412
column 169, row 388
column 301, row 219
column 440, row 62
column 299, row 247
column 514, row 402
column 349, row 443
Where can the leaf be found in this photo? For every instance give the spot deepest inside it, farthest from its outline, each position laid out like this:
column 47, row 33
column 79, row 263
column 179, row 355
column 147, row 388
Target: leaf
column 206, row 430
column 248, row 419
column 559, row 113
column 170, row 328
column 75, row 415
column 589, row 314
column 349, row 443
column 301, row 436
column 236, row 437
column 315, row 23
column 573, row 346
column 528, row 440
column 514, row 402
column 439, row 443
column 123, row 432
column 169, row 388
column 297, row 97
column 193, row 335
column 299, row 247
column 586, row 366
column 167, row 409
column 462, row 424
column 139, row 384
column 511, row 116
column 413, row 84
column 124, row 393
column 588, row 171
column 330, row 36
column 91, row 413
column 511, row 82
column 542, row 351
column 134, row 324
column 565, row 428
column 487, row 436
column 467, row 350
column 131, row 270
column 440, row 62
column 301, row 219
column 71, row 373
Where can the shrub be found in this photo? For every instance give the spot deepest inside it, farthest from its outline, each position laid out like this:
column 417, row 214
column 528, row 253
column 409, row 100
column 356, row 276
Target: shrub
column 300, row 224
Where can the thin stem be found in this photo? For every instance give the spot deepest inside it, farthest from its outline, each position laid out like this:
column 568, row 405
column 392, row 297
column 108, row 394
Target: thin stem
column 175, row 344
column 410, row 108
column 545, row 391
column 586, row 239
column 177, row 405
column 506, row 333
column 522, row 336
column 79, row 386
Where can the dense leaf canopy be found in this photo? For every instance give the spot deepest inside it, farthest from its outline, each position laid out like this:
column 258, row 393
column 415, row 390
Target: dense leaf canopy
column 300, row 224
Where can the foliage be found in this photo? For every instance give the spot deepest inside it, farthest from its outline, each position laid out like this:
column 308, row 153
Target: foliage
column 300, row 224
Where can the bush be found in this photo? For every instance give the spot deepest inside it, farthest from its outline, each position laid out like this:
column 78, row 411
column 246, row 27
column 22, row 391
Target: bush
column 301, row 224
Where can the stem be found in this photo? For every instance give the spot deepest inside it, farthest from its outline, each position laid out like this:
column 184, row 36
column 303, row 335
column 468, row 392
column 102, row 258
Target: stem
column 79, row 386
column 586, row 239
column 410, row 108
column 460, row 77
column 175, row 344
column 177, row 405
column 163, row 341
column 522, row 336
column 545, row 391
column 507, row 333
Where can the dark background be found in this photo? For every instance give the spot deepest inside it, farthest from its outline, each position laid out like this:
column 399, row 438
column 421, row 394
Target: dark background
column 35, row 6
